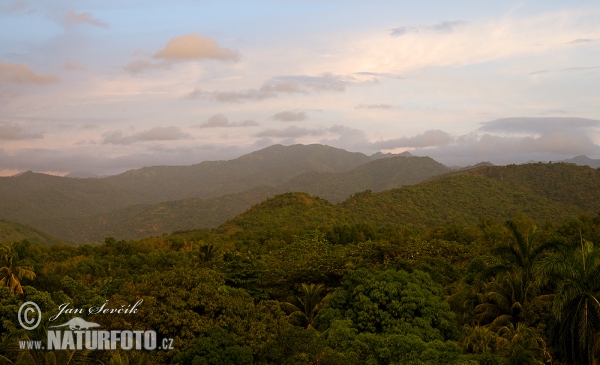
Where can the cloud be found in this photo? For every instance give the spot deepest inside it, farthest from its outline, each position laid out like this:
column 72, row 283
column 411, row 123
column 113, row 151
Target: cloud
column 288, row 116
column 290, row 132
column 539, row 125
column 193, row 46
column 86, row 159
column 356, row 140
column 443, row 27
column 73, row 18
column 301, row 84
column 473, row 148
column 172, row 133
column 374, row 106
column 432, row 138
column 138, row 66
column 380, row 74
column 502, row 141
column 583, row 40
column 20, row 73
column 221, row 121
column 569, row 69
column 14, row 131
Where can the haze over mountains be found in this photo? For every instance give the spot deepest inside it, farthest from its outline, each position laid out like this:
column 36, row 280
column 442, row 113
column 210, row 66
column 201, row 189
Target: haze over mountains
column 161, row 199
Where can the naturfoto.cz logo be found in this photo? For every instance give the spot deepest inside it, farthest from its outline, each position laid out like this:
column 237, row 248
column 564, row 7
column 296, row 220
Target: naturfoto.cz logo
column 79, row 334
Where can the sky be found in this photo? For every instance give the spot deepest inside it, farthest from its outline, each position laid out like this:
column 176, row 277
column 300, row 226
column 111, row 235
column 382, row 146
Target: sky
column 102, row 87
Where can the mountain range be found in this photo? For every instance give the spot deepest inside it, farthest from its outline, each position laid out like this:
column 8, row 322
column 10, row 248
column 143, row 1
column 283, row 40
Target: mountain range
column 351, row 187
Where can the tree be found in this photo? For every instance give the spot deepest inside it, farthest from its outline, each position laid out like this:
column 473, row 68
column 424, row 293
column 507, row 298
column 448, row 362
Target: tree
column 501, row 302
column 391, row 302
column 520, row 255
column 13, row 270
column 576, row 303
column 524, row 346
column 303, row 309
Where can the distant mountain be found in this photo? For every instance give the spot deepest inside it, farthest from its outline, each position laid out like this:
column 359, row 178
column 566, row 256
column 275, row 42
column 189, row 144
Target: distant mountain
column 271, row 166
column 85, row 209
column 584, row 161
column 82, row 175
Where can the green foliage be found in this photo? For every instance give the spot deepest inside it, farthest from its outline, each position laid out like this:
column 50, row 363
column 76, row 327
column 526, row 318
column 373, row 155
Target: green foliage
column 394, row 302
column 217, row 347
column 13, row 270
column 577, row 302
column 303, row 309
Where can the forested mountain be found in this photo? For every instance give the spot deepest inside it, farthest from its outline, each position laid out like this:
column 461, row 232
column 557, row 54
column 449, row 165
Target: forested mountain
column 544, row 192
column 383, row 174
column 135, row 204
column 480, row 266
column 271, row 166
column 140, row 202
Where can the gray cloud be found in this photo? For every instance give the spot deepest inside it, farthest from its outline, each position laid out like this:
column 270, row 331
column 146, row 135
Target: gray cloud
column 288, row 116
column 138, row 66
column 432, row 138
column 443, row 27
column 356, row 139
column 20, row 73
column 290, row 132
column 73, row 18
column 272, row 88
column 540, row 125
column 13, row 131
column 83, row 159
column 172, row 133
column 474, row 148
column 374, row 106
column 221, row 121
column 538, row 139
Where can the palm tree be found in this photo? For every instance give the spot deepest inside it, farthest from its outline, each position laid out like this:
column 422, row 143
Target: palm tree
column 304, row 308
column 524, row 346
column 521, row 255
column 501, row 303
column 208, row 252
column 576, row 303
column 13, row 270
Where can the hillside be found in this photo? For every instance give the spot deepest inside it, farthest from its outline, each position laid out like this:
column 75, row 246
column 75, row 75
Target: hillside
column 14, row 232
column 156, row 200
column 143, row 220
column 148, row 220
column 271, row 166
column 379, row 175
column 544, row 192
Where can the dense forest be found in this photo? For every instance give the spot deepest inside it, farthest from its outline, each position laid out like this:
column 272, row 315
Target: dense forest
column 491, row 265
column 489, row 293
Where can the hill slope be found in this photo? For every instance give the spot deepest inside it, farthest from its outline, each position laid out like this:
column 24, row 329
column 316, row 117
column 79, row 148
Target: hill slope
column 383, row 174
column 271, row 166
column 14, row 232
column 545, row 192
column 142, row 220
